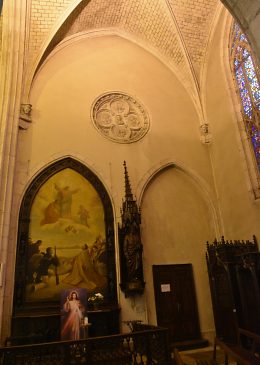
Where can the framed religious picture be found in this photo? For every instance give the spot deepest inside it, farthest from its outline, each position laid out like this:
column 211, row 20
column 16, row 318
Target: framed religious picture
column 66, row 237
column 73, row 314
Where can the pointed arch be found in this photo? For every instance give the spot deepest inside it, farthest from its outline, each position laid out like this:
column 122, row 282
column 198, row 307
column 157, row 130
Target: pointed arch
column 60, row 223
column 206, row 192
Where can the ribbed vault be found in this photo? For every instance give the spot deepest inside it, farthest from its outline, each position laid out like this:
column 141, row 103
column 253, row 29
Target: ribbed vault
column 176, row 30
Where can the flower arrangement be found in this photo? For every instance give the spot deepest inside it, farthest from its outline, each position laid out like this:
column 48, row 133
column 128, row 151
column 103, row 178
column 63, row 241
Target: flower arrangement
column 96, row 299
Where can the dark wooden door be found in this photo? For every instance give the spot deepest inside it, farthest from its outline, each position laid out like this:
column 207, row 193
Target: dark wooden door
column 175, row 300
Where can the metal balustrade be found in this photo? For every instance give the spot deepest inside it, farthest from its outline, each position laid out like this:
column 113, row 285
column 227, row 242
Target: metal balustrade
column 140, row 347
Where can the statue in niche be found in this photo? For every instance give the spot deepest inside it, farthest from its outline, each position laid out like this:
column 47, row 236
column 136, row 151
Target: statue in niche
column 131, row 248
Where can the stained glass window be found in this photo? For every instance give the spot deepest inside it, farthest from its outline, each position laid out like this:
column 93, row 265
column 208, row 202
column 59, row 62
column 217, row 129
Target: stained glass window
column 247, row 78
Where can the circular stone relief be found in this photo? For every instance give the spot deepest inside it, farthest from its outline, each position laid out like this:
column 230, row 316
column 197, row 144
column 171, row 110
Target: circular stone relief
column 120, row 117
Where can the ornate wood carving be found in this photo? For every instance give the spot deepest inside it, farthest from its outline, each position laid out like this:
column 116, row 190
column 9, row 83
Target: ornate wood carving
column 131, row 248
column 233, row 268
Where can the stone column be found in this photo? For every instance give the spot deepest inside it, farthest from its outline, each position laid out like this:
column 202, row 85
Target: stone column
column 11, row 71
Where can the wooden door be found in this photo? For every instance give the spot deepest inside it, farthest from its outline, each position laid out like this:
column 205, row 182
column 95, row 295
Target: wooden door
column 175, row 300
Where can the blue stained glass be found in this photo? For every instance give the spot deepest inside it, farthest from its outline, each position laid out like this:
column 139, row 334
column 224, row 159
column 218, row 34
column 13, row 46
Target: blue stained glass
column 236, row 63
column 248, row 86
column 237, row 31
column 243, row 37
column 245, row 53
column 251, row 75
column 256, row 96
column 244, row 94
column 256, row 143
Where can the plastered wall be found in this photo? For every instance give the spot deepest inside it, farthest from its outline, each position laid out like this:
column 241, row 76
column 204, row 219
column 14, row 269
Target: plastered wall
column 62, row 96
column 1, row 28
column 239, row 209
column 177, row 222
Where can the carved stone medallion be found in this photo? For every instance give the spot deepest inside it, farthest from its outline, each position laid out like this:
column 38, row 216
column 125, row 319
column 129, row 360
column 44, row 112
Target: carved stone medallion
column 120, row 117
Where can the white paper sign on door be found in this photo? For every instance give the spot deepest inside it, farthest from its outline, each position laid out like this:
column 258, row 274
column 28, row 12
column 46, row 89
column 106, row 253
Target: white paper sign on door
column 165, row 288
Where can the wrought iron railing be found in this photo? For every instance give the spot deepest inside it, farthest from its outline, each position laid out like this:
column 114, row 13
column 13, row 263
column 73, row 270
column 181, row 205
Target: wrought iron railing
column 142, row 347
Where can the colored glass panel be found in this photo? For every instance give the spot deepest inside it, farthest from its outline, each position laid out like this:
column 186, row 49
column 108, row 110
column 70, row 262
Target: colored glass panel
column 245, row 53
column 237, row 31
column 243, row 38
column 255, row 138
column 236, row 63
column 248, row 86
column 253, row 82
column 244, row 94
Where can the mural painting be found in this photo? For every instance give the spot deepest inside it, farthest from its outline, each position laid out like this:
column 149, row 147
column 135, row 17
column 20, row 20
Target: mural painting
column 67, row 245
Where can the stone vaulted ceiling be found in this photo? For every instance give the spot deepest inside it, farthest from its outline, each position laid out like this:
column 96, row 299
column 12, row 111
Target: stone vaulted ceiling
column 177, row 31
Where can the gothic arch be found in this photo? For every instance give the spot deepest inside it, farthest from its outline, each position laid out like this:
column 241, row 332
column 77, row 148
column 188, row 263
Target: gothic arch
column 177, row 220
column 206, row 192
column 20, row 303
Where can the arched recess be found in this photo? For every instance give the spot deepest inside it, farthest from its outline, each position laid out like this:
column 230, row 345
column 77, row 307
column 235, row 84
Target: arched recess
column 65, row 207
column 60, row 35
column 177, row 221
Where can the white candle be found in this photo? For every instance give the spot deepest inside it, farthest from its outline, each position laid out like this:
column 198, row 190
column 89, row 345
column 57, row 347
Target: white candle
column 85, row 320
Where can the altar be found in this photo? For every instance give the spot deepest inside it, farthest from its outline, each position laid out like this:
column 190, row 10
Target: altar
column 28, row 328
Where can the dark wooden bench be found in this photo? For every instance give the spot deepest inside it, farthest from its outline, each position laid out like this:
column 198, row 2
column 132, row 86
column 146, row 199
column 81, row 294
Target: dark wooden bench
column 245, row 352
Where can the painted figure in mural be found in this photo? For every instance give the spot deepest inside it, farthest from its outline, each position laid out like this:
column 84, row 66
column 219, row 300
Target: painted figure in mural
column 51, row 213
column 98, row 255
column 64, row 200
column 74, row 318
column 83, row 272
column 83, row 215
column 133, row 249
column 33, row 248
column 60, row 207
column 44, row 269
column 98, row 250
column 34, row 257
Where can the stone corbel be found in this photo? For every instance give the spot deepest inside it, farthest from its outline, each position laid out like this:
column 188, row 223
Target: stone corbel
column 205, row 135
column 25, row 116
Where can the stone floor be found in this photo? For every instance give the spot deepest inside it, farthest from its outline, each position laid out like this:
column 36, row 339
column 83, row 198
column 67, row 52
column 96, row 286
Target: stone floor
column 190, row 357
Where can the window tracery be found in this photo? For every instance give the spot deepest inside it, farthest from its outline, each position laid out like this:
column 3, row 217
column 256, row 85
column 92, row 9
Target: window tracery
column 247, row 79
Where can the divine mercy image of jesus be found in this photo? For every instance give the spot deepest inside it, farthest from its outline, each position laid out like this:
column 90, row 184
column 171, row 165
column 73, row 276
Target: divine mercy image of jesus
column 73, row 308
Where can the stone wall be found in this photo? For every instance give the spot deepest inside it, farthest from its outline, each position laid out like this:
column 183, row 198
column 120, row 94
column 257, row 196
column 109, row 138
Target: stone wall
column 44, row 14
column 1, row 27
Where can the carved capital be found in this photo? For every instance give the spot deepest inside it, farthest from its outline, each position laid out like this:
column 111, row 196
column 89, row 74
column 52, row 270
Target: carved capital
column 25, row 116
column 205, row 135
